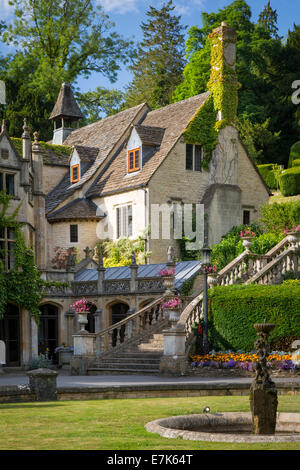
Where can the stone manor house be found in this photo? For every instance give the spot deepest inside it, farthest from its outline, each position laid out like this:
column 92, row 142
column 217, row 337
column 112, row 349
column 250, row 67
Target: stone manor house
column 99, row 182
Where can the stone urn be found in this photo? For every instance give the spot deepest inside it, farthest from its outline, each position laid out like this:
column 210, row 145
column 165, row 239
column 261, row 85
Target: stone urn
column 169, row 284
column 82, row 320
column 247, row 242
column 173, row 315
column 293, row 237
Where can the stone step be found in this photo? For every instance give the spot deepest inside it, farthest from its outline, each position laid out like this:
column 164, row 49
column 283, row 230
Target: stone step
column 128, row 366
column 103, row 371
column 131, row 360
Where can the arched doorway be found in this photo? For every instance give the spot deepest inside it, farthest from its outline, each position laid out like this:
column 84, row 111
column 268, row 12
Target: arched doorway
column 48, row 330
column 10, row 334
column 91, row 326
column 118, row 312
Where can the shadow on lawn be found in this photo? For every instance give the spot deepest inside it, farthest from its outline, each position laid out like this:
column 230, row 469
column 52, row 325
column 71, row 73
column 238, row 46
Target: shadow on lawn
column 4, row 406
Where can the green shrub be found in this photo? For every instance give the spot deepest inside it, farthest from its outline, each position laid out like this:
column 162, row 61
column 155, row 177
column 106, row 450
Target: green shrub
column 276, row 217
column 289, row 181
column 296, row 162
column 235, row 309
column 231, row 245
column 41, row 361
column 268, row 172
column 294, row 153
column 265, row 242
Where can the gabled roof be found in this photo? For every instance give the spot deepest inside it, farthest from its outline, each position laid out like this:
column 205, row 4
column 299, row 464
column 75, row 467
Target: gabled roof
column 4, row 133
column 82, row 209
column 150, row 135
column 86, row 154
column 66, row 105
column 105, row 136
column 173, row 119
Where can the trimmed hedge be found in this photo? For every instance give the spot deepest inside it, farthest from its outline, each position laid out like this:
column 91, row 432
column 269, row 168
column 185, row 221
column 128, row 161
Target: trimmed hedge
column 268, row 175
column 294, row 153
column 235, row 309
column 296, row 162
column 289, row 182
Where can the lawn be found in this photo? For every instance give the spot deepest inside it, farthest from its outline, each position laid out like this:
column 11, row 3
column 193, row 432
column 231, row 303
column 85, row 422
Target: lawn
column 279, row 198
column 117, row 424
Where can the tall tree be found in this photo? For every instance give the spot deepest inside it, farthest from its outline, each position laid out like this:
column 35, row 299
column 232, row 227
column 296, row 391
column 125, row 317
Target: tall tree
column 268, row 20
column 100, row 103
column 261, row 58
column 159, row 63
column 56, row 41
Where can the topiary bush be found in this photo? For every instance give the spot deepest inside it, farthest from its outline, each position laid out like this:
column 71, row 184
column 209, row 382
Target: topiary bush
column 296, row 162
column 289, row 182
column 294, row 153
column 235, row 309
column 269, row 173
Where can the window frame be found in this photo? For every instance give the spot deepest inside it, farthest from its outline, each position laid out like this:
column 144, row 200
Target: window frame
column 74, row 180
column 194, row 166
column 72, row 234
column 124, row 221
column 7, row 241
column 134, row 167
column 4, row 175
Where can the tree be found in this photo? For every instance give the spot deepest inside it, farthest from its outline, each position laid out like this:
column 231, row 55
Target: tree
column 56, row 41
column 268, row 20
column 265, row 68
column 100, row 103
column 157, row 68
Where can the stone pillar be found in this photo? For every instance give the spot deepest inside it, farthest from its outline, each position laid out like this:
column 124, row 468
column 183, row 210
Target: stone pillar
column 101, row 276
column 133, row 273
column 84, row 352
column 42, row 382
column 174, row 360
column 34, row 339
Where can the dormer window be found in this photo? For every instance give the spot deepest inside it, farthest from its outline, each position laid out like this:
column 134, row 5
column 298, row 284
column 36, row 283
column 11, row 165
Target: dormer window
column 134, row 160
column 75, row 173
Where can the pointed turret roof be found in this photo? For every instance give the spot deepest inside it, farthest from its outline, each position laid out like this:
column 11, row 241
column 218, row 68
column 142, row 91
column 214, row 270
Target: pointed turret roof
column 66, row 105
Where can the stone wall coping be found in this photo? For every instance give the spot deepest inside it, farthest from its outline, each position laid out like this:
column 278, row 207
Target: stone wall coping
column 42, row 372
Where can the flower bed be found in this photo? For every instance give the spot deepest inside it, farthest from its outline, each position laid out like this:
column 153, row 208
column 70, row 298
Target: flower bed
column 242, row 363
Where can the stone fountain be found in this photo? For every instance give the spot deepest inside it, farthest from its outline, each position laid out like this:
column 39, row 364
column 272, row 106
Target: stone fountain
column 263, row 424
column 263, row 393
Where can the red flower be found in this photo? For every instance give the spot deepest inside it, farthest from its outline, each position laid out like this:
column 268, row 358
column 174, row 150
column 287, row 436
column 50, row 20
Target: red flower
column 200, row 329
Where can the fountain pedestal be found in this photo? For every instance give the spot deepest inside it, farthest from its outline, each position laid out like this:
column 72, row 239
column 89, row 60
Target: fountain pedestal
column 263, row 393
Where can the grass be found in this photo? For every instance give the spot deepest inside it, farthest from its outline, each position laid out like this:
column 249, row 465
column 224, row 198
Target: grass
column 117, row 424
column 279, row 198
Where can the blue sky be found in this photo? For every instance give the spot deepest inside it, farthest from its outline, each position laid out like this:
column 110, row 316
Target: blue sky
column 128, row 15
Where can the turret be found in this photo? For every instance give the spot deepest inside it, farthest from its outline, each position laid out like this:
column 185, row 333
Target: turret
column 65, row 113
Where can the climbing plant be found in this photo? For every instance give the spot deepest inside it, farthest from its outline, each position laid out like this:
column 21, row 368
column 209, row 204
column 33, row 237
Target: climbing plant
column 21, row 285
column 205, row 126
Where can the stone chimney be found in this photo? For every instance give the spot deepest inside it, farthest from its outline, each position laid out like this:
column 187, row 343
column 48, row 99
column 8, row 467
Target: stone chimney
column 223, row 83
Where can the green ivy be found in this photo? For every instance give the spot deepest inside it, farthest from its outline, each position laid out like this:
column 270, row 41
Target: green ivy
column 204, row 128
column 22, row 284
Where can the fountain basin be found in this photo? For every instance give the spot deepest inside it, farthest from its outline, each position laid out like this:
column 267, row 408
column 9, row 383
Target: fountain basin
column 225, row 427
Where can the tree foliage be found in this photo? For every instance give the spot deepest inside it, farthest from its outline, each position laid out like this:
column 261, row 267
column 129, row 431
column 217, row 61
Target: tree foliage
column 157, row 68
column 266, row 68
column 55, row 41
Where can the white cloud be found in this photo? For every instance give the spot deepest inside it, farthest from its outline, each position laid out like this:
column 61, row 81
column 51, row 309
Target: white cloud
column 119, row 6
column 5, row 9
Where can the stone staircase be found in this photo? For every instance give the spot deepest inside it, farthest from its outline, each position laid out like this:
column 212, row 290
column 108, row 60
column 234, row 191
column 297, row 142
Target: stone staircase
column 141, row 359
column 139, row 341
